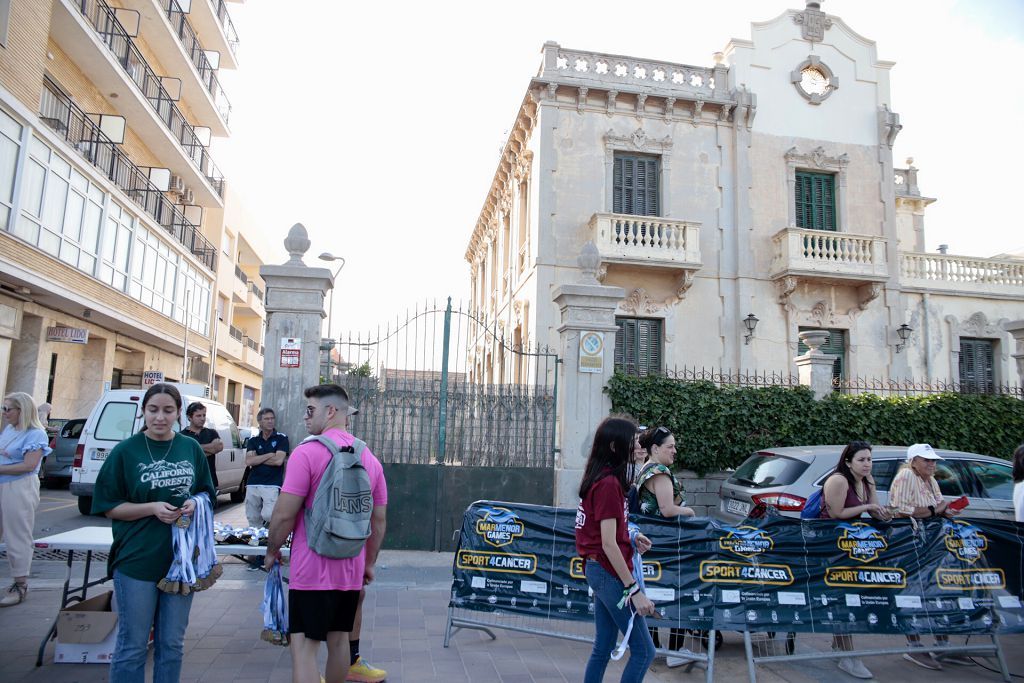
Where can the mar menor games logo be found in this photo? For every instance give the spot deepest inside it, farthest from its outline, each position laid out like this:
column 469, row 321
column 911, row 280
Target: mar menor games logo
column 499, row 526
column 745, row 541
column 964, row 540
column 861, row 541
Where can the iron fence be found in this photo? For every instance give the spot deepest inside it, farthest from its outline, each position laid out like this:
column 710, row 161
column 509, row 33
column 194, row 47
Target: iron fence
column 723, row 377
column 909, row 387
column 424, row 399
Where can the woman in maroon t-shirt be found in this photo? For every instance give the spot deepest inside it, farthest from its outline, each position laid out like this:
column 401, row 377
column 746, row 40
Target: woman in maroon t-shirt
column 602, row 539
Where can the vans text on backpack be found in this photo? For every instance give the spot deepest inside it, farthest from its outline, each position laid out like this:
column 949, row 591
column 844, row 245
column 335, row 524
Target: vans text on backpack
column 338, row 522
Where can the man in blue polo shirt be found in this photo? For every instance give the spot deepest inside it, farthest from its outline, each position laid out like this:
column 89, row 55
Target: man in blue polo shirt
column 265, row 454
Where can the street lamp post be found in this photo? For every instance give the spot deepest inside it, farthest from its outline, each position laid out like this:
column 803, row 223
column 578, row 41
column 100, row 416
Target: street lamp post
column 328, row 256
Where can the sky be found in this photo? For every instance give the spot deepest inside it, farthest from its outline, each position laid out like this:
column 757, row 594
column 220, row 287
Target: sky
column 379, row 125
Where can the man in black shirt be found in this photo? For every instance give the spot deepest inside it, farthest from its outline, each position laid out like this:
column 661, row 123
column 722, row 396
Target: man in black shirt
column 265, row 454
column 209, row 439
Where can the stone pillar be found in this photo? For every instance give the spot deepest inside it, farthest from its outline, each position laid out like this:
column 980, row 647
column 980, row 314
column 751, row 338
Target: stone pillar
column 1016, row 328
column 295, row 310
column 815, row 366
column 586, row 307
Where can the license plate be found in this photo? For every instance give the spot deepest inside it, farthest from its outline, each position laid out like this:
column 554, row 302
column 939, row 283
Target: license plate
column 737, row 507
column 99, row 455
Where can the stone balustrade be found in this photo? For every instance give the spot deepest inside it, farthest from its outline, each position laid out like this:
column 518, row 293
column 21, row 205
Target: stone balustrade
column 646, row 239
column 827, row 254
column 963, row 274
column 619, row 70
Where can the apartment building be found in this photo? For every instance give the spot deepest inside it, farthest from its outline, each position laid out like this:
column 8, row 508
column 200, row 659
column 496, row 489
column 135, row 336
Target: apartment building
column 737, row 204
column 114, row 250
column 239, row 316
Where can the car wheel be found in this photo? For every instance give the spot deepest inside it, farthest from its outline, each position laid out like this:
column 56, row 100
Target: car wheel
column 239, row 495
column 85, row 505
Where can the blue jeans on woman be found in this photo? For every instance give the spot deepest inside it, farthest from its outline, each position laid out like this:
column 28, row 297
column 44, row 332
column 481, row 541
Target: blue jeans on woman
column 609, row 619
column 142, row 606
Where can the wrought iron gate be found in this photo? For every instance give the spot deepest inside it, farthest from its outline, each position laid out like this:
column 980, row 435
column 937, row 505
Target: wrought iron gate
column 457, row 409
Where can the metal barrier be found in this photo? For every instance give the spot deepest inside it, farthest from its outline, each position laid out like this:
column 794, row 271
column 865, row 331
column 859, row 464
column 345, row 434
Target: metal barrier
column 698, row 647
column 768, row 651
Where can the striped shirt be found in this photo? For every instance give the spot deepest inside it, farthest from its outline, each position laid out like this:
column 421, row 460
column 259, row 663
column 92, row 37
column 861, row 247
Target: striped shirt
column 909, row 491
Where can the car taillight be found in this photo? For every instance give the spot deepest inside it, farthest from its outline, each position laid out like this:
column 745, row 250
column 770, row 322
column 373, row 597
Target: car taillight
column 79, row 455
column 783, row 501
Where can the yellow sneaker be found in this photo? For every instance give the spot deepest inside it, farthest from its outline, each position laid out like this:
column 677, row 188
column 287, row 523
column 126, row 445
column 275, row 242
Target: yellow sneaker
column 364, row 673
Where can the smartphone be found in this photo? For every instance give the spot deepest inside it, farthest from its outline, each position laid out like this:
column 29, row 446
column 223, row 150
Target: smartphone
column 959, row 504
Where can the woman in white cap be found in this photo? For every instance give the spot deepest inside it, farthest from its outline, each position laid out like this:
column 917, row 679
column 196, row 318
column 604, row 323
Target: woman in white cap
column 914, row 493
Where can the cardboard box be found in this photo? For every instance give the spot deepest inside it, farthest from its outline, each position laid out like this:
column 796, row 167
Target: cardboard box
column 86, row 631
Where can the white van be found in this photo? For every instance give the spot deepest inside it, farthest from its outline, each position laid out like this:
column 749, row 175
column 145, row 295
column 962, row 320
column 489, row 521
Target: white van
column 118, row 415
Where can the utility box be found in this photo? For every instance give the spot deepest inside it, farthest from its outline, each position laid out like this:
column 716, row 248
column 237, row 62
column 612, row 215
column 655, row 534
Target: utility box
column 87, row 631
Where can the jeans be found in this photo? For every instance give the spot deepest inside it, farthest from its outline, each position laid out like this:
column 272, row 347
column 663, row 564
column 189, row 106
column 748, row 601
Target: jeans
column 608, row 621
column 142, row 606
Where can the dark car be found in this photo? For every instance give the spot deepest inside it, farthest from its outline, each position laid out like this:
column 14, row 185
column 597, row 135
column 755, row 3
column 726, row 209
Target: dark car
column 56, row 469
column 787, row 476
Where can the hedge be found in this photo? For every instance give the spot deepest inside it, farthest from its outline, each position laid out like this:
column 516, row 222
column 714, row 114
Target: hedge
column 718, row 427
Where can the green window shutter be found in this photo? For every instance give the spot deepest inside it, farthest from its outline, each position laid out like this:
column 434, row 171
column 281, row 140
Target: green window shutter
column 835, row 347
column 977, row 371
column 638, row 346
column 815, row 201
column 635, row 185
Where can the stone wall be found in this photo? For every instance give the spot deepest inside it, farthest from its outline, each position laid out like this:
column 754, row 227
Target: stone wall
column 702, row 492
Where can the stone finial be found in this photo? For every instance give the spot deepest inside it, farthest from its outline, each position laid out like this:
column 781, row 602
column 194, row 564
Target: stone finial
column 297, row 243
column 589, row 261
column 814, row 339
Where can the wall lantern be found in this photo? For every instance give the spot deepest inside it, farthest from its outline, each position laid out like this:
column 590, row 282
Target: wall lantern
column 903, row 331
column 750, row 322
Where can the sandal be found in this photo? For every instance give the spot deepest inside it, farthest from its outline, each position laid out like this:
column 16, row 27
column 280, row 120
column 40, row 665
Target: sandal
column 14, row 595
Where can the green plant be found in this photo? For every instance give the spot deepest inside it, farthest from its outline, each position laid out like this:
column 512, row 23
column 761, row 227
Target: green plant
column 718, row 427
column 363, row 370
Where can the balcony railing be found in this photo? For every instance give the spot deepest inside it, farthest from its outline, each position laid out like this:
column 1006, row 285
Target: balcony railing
column 240, row 274
column 617, row 71
column 68, row 120
column 235, row 333
column 646, row 239
column 253, row 344
column 110, row 31
column 963, row 273
column 257, row 292
column 225, row 21
column 827, row 254
column 197, row 55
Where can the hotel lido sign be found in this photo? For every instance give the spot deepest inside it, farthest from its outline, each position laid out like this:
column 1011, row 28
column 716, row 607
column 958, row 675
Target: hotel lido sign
column 69, row 335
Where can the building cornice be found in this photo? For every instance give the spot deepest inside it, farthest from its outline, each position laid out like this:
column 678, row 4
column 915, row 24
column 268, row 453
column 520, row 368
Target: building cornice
column 515, row 164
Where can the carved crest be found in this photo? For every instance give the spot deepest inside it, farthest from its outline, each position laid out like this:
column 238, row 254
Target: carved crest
column 813, row 24
column 639, row 138
column 640, row 302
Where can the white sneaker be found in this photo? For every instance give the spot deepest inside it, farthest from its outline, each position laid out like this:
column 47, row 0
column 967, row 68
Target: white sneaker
column 854, row 667
column 684, row 657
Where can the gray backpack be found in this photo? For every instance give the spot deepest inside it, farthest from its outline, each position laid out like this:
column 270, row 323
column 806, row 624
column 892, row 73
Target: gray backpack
column 338, row 523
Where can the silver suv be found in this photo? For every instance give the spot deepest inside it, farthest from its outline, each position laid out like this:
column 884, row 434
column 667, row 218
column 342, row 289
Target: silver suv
column 786, row 478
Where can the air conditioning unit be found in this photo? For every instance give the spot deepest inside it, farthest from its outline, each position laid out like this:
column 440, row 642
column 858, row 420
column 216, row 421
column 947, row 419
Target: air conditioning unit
column 188, row 197
column 177, row 185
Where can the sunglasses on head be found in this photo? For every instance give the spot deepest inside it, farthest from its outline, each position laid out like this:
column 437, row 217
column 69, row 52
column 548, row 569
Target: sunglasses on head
column 661, row 430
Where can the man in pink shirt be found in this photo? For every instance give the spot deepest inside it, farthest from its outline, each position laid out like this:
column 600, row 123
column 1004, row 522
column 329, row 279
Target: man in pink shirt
column 323, row 593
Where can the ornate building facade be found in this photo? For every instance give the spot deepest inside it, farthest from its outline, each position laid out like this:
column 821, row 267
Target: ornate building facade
column 737, row 204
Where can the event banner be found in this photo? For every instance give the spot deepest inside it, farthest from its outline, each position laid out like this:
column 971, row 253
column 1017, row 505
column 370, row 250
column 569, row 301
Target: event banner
column 771, row 574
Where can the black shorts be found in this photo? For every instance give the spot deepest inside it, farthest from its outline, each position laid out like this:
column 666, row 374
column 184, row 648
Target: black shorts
column 317, row 613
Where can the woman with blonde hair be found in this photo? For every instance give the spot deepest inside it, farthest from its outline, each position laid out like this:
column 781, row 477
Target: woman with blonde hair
column 23, row 445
